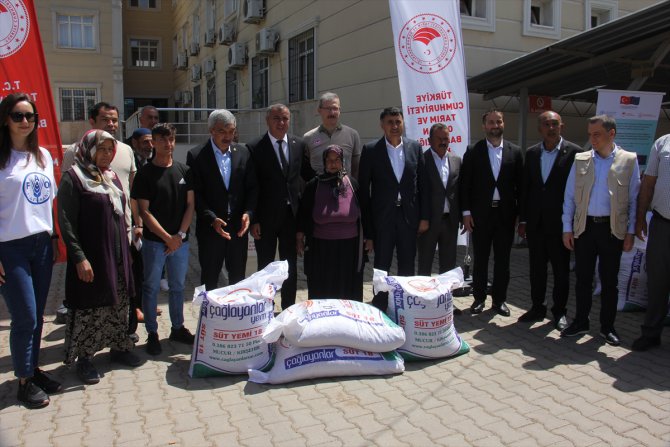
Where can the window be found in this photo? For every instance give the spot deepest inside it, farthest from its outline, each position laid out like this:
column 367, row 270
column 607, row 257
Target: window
column 175, row 50
column 211, row 93
column 260, row 78
column 478, row 15
column 144, row 53
column 542, row 18
column 229, row 8
column 301, row 67
column 144, row 4
column 211, row 14
column 197, row 102
column 77, row 31
column 195, row 35
column 231, row 89
column 599, row 12
column 75, row 102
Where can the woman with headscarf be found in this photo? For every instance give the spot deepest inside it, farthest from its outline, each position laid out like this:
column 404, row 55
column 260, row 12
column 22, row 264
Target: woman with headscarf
column 98, row 279
column 27, row 241
column 329, row 232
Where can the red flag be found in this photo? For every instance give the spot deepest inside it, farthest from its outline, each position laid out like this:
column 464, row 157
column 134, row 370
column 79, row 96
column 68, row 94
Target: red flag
column 23, row 70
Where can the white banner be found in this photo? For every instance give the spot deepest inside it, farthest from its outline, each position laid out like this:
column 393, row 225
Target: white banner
column 636, row 115
column 431, row 70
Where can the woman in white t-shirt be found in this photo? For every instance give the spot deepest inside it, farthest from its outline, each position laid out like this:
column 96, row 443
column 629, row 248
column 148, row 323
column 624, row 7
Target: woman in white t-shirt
column 27, row 241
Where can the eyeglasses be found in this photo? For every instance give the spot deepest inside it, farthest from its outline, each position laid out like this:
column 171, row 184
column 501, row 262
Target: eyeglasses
column 18, row 117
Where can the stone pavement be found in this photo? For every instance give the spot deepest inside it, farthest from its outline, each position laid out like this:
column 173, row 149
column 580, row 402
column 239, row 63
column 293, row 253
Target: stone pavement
column 518, row 386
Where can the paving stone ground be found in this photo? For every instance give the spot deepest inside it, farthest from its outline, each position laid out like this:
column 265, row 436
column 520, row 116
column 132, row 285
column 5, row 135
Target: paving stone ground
column 520, row 385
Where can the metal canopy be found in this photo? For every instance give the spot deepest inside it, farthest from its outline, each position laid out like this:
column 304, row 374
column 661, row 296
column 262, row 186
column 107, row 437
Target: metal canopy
column 630, row 53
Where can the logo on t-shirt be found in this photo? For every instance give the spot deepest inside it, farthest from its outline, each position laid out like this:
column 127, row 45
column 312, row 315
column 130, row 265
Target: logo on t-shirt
column 37, row 188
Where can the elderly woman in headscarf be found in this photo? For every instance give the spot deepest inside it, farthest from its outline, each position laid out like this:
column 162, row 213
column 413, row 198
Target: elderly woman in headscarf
column 98, row 279
column 329, row 232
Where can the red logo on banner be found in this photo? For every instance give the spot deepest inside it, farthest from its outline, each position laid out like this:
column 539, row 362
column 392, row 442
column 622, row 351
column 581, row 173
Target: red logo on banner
column 14, row 27
column 539, row 103
column 427, row 43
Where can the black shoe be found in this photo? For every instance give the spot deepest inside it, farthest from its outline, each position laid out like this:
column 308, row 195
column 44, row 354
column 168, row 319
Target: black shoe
column 502, row 309
column 575, row 329
column 87, row 372
column 42, row 380
column 153, row 346
column 477, row 307
column 127, row 358
column 457, row 311
column 561, row 323
column 611, row 337
column 134, row 338
column 32, row 395
column 182, row 335
column 644, row 343
column 533, row 315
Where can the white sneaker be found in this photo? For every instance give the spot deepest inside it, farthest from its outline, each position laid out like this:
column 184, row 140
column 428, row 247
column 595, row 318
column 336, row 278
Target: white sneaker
column 164, row 285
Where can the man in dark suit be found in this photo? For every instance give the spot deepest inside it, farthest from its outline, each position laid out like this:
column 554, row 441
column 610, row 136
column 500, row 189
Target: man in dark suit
column 546, row 170
column 393, row 197
column 224, row 182
column 491, row 176
column 278, row 160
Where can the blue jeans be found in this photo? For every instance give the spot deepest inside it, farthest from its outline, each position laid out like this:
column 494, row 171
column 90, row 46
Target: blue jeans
column 28, row 263
column 154, row 257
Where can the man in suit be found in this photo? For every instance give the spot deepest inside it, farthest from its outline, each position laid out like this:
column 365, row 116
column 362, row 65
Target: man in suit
column 546, row 171
column 393, row 197
column 491, row 176
column 278, row 159
column 224, row 183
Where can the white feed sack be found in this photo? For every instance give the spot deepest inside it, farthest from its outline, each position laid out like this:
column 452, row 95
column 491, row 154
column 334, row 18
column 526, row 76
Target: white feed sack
column 336, row 322
column 231, row 324
column 295, row 363
column 423, row 306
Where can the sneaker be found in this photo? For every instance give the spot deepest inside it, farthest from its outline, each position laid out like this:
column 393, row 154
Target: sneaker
column 61, row 315
column 575, row 329
column 164, row 285
column 42, row 380
column 87, row 372
column 182, row 335
column 645, row 342
column 153, row 345
column 127, row 358
column 32, row 395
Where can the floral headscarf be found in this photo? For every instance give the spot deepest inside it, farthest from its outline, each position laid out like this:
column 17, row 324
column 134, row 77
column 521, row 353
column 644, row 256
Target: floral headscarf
column 339, row 188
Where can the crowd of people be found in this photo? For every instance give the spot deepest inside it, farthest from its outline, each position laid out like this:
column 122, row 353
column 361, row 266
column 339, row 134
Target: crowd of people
column 125, row 212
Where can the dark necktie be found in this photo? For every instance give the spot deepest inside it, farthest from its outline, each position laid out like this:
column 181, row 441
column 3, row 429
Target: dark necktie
column 282, row 158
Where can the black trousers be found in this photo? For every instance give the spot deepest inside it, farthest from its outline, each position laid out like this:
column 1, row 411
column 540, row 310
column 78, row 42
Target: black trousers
column 214, row 251
column 658, row 276
column 497, row 233
column 543, row 249
column 281, row 232
column 138, row 278
column 595, row 242
column 396, row 235
column 444, row 237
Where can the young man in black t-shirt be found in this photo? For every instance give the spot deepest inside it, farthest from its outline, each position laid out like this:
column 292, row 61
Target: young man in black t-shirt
column 164, row 193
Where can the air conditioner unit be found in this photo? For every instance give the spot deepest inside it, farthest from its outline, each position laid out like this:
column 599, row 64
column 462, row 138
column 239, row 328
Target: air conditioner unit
column 182, row 61
column 210, row 38
column 266, row 41
column 195, row 49
column 178, row 96
column 187, row 97
column 253, row 11
column 210, row 66
column 227, row 34
column 195, row 73
column 237, row 55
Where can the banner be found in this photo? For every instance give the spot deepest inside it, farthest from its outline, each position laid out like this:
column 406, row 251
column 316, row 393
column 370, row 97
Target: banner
column 431, row 70
column 636, row 115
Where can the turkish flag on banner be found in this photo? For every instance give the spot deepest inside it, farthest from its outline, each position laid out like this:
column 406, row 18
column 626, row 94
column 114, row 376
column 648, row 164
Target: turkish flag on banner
column 24, row 70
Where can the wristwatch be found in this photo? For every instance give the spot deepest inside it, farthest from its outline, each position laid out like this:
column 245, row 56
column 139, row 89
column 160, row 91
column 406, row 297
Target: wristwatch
column 182, row 235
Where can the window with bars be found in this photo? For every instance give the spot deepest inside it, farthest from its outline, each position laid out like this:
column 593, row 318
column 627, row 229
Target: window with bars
column 211, row 92
column 144, row 53
column 76, row 31
column 197, row 103
column 231, row 89
column 75, row 102
column 144, row 4
column 301, row 66
column 260, row 81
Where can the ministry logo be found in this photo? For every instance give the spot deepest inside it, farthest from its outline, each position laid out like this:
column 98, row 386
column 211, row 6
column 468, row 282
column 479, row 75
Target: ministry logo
column 427, row 43
column 14, row 26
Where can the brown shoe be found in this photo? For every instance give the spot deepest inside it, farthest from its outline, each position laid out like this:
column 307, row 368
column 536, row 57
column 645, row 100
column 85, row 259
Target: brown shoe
column 140, row 315
column 159, row 311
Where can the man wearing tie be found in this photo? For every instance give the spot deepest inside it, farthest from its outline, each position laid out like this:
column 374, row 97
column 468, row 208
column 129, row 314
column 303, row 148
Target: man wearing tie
column 546, row 171
column 490, row 185
column 224, row 183
column 278, row 158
